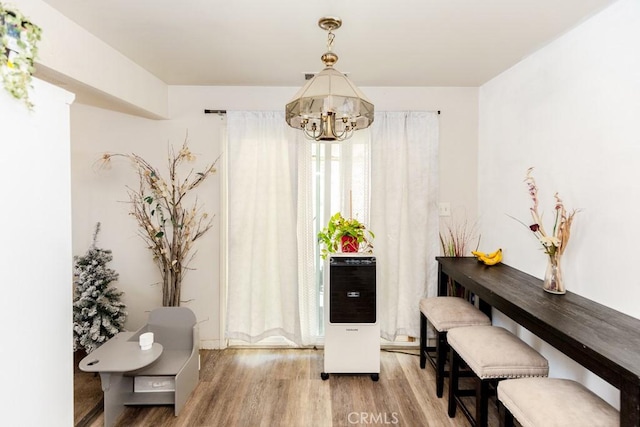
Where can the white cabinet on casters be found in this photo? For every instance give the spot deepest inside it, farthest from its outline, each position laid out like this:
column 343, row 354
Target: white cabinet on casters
column 352, row 331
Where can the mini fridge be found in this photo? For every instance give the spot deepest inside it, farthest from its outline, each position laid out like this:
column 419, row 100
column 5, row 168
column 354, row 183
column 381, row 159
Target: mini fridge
column 352, row 331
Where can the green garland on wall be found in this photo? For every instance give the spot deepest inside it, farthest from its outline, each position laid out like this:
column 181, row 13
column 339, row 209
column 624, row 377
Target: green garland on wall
column 18, row 47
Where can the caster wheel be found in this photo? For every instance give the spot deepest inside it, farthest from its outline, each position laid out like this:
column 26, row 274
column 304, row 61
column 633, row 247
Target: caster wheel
column 375, row 377
column 324, row 376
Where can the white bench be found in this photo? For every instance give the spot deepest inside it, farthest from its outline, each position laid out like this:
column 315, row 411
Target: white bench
column 493, row 354
column 444, row 313
column 553, row 402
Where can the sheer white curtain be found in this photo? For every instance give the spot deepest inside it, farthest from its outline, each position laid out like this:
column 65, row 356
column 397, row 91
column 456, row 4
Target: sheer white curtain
column 309, row 298
column 267, row 223
column 272, row 289
column 404, row 215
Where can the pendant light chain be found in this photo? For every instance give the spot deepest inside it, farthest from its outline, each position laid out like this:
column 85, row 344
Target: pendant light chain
column 329, row 107
column 330, row 38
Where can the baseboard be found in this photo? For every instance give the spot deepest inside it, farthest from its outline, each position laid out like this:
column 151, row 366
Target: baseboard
column 211, row 344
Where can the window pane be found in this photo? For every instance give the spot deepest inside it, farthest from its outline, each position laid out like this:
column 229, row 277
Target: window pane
column 341, row 184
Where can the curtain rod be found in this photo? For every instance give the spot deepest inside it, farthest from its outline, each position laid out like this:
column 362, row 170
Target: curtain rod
column 221, row 112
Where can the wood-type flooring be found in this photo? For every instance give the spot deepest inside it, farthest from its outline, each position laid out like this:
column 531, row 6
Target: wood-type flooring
column 274, row 387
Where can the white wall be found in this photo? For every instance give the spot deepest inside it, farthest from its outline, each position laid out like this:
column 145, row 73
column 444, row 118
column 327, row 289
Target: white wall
column 70, row 55
column 458, row 123
column 100, row 195
column 96, row 192
column 571, row 110
column 35, row 259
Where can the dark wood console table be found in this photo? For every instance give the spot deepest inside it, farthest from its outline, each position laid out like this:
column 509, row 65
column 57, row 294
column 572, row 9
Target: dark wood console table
column 601, row 339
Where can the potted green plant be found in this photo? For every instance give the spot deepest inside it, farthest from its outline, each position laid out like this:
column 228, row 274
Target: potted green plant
column 19, row 39
column 346, row 235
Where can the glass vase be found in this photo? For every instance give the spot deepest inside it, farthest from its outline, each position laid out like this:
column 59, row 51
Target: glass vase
column 553, row 280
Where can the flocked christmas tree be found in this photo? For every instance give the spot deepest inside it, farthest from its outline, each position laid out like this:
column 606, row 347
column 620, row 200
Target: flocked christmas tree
column 98, row 313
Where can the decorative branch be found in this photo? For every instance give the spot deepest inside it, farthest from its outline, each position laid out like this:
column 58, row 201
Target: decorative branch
column 457, row 236
column 168, row 228
column 557, row 242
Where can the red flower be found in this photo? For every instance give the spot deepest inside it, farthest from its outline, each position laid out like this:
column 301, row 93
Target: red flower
column 534, row 227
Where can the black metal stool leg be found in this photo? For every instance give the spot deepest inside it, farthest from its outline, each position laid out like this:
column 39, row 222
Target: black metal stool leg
column 423, row 340
column 453, row 381
column 505, row 416
column 482, row 402
column 441, row 358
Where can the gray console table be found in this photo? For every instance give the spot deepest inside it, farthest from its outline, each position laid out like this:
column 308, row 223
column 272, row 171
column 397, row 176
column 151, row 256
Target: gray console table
column 601, row 339
column 112, row 360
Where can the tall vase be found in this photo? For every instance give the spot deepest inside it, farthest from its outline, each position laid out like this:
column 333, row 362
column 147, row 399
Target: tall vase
column 553, row 280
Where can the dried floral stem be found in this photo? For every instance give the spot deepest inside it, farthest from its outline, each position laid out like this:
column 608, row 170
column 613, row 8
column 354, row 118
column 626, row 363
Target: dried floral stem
column 456, row 237
column 556, row 243
column 166, row 226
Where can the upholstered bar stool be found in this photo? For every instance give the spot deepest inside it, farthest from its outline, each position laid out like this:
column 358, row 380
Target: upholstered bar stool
column 445, row 313
column 492, row 353
column 553, row 402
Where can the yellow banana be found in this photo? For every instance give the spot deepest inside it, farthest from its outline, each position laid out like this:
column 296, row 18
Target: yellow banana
column 494, row 260
column 478, row 254
column 494, row 254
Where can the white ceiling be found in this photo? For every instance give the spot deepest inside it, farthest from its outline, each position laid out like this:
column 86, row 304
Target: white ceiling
column 381, row 43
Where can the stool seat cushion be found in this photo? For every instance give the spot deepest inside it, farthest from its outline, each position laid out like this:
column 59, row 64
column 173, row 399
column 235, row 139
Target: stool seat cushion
column 551, row 402
column 445, row 313
column 494, row 352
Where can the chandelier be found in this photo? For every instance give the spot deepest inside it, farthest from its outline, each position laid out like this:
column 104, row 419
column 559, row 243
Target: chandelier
column 329, row 107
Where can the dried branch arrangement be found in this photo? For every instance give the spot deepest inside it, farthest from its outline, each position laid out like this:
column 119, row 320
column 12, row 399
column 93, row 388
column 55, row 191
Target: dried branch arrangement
column 556, row 242
column 457, row 236
column 168, row 227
